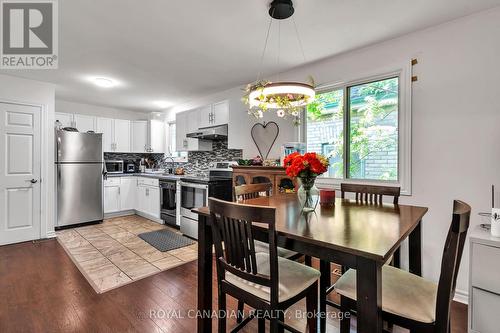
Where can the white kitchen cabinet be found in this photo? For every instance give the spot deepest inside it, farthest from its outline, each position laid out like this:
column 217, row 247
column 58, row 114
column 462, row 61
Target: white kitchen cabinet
column 181, row 131
column 157, row 136
column 220, row 113
column 115, row 134
column 121, row 133
column 205, row 116
column 214, row 114
column 84, row 123
column 111, row 199
column 105, row 126
column 484, row 285
column 185, row 123
column 128, row 189
column 148, row 200
column 139, row 136
column 66, row 119
column 153, row 199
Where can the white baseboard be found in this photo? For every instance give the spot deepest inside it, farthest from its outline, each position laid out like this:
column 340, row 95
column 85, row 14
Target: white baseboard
column 118, row 214
column 149, row 217
column 51, row 234
column 461, row 296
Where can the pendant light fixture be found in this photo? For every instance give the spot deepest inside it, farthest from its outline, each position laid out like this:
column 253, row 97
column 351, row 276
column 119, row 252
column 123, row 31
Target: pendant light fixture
column 286, row 98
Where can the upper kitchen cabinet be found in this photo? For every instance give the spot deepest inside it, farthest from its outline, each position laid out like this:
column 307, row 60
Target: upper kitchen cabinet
column 157, row 136
column 187, row 122
column 220, row 113
column 105, row 126
column 205, row 116
column 148, row 136
column 66, row 119
column 115, row 134
column 139, row 136
column 84, row 123
column 121, row 133
column 214, row 114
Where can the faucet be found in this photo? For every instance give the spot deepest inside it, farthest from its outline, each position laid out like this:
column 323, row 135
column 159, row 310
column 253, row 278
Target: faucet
column 171, row 170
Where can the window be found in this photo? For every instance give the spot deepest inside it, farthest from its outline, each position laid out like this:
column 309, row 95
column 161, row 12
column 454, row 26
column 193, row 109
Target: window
column 172, row 150
column 358, row 127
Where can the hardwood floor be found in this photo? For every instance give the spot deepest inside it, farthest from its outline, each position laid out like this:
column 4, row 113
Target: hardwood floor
column 41, row 290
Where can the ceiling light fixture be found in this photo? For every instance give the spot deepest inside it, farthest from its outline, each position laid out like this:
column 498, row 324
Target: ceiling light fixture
column 163, row 104
column 287, row 98
column 104, row 82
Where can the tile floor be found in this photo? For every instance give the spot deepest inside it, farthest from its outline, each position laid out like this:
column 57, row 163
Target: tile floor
column 111, row 254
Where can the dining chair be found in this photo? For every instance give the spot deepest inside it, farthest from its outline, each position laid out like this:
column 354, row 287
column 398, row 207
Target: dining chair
column 408, row 300
column 373, row 194
column 264, row 281
column 370, row 193
column 253, row 191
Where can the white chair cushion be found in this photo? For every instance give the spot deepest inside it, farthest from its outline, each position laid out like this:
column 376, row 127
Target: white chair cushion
column 403, row 294
column 264, row 248
column 293, row 278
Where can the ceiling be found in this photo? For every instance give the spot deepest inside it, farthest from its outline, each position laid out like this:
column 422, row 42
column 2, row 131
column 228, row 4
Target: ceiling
column 179, row 50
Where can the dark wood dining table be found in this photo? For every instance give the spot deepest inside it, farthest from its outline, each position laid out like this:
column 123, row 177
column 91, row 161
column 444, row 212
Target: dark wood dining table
column 356, row 235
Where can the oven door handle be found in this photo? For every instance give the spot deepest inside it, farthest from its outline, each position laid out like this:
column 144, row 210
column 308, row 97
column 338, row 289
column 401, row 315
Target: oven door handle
column 194, row 185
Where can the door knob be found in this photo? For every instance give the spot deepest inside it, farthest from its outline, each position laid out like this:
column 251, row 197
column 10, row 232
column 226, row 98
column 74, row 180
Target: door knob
column 33, row 181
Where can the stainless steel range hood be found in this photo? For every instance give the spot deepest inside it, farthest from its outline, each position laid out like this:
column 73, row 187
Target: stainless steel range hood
column 210, row 133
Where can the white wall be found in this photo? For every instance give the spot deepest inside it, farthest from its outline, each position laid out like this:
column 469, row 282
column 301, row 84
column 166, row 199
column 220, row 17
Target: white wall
column 240, row 123
column 99, row 111
column 455, row 111
column 18, row 90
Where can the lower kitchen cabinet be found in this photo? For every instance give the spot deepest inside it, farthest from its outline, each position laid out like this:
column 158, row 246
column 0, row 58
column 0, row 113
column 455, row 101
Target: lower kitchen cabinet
column 124, row 194
column 111, row 199
column 148, row 201
column 128, row 189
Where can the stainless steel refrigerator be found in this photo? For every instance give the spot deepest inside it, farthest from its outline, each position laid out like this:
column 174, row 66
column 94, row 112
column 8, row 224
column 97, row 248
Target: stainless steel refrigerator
column 79, row 177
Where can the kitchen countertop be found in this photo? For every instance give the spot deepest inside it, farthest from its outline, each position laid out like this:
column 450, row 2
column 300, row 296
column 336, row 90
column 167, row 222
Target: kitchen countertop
column 145, row 174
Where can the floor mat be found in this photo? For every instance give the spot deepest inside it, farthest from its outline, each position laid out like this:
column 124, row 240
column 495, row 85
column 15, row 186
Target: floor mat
column 166, row 240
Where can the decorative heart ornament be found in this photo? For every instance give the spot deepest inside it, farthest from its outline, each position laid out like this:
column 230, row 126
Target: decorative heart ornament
column 264, row 136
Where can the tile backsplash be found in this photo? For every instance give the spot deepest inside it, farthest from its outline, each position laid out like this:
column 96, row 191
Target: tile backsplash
column 198, row 161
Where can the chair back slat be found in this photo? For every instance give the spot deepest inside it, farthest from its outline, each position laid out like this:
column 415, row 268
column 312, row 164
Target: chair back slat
column 234, row 241
column 450, row 264
column 251, row 191
column 372, row 194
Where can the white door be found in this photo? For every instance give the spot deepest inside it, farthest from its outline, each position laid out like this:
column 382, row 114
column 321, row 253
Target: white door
column 85, row 123
column 127, row 193
column 20, row 151
column 66, row 119
column 105, row 126
column 122, row 135
column 111, row 199
column 139, row 136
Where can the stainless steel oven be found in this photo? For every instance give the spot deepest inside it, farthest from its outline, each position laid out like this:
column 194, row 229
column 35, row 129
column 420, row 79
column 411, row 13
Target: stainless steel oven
column 168, row 201
column 193, row 195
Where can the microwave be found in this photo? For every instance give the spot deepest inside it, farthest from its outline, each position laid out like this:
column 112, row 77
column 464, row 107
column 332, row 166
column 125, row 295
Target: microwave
column 114, row 166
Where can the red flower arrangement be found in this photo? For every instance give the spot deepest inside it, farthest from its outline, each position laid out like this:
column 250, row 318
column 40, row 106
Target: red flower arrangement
column 307, row 165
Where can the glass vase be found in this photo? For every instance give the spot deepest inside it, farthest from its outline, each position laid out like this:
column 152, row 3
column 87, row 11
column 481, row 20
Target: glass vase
column 308, row 194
